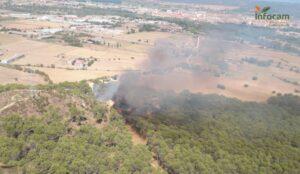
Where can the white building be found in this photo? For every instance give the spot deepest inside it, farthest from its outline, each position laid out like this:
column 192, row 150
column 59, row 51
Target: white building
column 50, row 31
column 13, row 58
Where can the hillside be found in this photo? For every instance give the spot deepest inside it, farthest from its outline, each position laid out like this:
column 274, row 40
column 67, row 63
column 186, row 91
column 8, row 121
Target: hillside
column 195, row 133
column 63, row 129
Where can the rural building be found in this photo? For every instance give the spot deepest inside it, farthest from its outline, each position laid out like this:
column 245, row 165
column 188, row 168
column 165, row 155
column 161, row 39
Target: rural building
column 13, row 58
column 95, row 40
column 45, row 37
column 21, row 15
column 79, row 63
column 50, row 31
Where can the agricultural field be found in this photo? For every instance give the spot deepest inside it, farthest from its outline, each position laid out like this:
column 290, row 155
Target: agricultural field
column 62, row 75
column 14, row 76
column 22, row 24
column 239, row 80
column 56, row 60
column 248, row 72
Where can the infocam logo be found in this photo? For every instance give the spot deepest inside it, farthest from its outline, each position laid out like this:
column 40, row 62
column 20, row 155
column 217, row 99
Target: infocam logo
column 262, row 14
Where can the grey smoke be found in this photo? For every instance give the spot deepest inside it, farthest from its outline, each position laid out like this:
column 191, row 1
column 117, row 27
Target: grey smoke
column 170, row 63
column 106, row 90
column 173, row 63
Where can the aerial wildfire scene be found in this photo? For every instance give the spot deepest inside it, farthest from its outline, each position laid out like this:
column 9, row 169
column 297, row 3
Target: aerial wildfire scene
column 150, row 86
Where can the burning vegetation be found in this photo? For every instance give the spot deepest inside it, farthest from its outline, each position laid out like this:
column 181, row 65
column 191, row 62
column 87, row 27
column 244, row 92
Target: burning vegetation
column 196, row 133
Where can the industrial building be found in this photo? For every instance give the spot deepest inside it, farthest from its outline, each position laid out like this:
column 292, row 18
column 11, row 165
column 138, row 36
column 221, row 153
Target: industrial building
column 13, row 58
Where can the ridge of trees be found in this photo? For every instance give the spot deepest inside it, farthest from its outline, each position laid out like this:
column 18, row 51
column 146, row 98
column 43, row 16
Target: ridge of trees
column 195, row 133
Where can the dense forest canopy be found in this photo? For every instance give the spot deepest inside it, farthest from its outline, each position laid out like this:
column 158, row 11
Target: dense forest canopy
column 70, row 132
column 195, row 133
column 186, row 133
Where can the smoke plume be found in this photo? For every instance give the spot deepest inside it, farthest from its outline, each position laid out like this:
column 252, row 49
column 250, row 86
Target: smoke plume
column 172, row 65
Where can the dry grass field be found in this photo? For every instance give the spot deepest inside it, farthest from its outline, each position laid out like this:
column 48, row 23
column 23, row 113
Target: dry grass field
column 258, row 90
column 61, row 75
column 110, row 61
column 30, row 24
column 143, row 37
column 14, row 76
column 6, row 39
column 238, row 80
column 37, row 53
column 134, row 51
